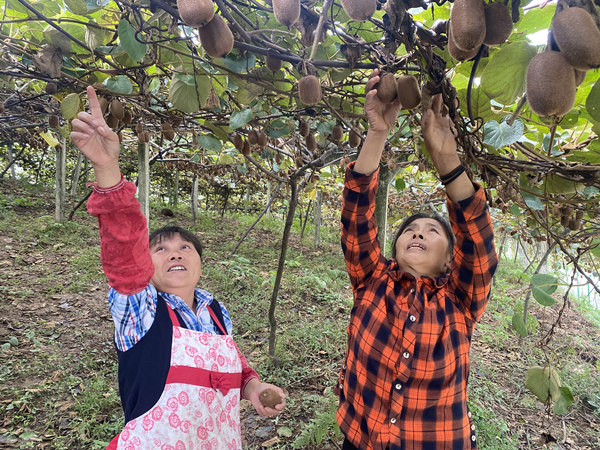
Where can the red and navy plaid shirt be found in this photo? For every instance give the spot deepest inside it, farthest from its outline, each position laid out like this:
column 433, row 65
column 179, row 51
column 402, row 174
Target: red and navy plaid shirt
column 404, row 381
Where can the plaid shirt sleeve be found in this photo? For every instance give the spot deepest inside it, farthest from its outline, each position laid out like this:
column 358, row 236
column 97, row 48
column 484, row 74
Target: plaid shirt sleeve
column 360, row 244
column 475, row 257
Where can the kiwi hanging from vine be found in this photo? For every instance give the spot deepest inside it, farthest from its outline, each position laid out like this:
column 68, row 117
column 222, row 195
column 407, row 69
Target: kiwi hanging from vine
column 252, row 137
column 337, row 133
column 309, row 90
column 360, row 10
column 467, row 24
column 196, row 13
column 303, row 128
column 387, row 89
column 353, row 139
column 409, row 91
column 117, row 110
column 238, row 142
column 498, row 23
column 287, row 12
column 216, row 37
column 311, row 142
column 51, row 88
column 53, row 121
column 550, row 84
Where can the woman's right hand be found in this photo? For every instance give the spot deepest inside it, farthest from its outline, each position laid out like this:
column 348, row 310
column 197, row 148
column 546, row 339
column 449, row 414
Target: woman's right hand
column 381, row 116
column 97, row 141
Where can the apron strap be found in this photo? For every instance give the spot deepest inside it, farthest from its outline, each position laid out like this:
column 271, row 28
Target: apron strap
column 223, row 381
column 173, row 317
column 217, row 321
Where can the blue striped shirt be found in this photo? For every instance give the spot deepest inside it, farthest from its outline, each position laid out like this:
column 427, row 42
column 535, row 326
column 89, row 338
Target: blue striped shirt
column 134, row 314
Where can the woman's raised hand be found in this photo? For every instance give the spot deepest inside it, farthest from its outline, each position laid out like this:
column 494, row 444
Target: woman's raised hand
column 381, row 116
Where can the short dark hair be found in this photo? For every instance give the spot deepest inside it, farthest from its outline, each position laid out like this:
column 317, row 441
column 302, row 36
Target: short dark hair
column 169, row 231
column 439, row 218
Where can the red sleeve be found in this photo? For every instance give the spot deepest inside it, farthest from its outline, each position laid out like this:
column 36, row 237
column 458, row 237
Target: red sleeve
column 248, row 372
column 124, row 248
column 360, row 244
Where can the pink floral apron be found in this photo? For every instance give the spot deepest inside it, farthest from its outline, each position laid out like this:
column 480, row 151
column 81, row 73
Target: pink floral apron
column 200, row 405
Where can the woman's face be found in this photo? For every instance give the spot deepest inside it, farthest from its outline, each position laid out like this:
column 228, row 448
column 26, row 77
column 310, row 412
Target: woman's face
column 422, row 248
column 177, row 264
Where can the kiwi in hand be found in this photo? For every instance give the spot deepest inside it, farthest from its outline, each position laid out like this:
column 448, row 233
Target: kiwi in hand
column 409, row 92
column 269, row 398
column 387, row 89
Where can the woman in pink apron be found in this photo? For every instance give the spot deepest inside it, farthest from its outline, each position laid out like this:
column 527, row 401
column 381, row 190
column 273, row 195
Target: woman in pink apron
column 181, row 375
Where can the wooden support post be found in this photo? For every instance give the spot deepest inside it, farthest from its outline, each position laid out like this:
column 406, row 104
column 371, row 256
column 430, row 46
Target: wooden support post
column 143, row 186
column 317, row 218
column 195, row 198
column 60, row 185
column 76, row 174
column 11, row 160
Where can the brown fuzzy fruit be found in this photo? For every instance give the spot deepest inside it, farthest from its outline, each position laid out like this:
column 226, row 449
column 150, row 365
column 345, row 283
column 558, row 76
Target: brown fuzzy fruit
column 216, row 37
column 578, row 37
column 146, row 135
column 391, row 164
column 103, row 105
column 564, row 221
column 246, row 148
column 353, row 139
column 287, row 12
column 53, row 121
column 409, row 91
column 498, row 23
column 309, row 90
column 467, row 22
column 261, row 139
column 139, row 128
column 51, row 88
column 579, row 215
column 303, row 128
column 359, row 9
column 579, row 76
column 196, row 13
column 269, row 398
column 127, row 117
column 337, row 133
column 311, row 142
column 550, row 84
column 253, row 137
column 273, row 64
column 457, row 53
column 238, row 142
column 167, row 131
column 387, row 89
column 574, row 224
column 112, row 121
column 116, row 109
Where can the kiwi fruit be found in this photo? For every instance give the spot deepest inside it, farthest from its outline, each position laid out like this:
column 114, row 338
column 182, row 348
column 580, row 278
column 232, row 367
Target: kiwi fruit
column 216, row 37
column 577, row 37
column 353, row 139
column 309, row 90
column 273, row 64
column 391, row 164
column 167, row 131
column 139, row 128
column 409, row 91
column 579, row 76
column 246, row 148
column 144, row 137
column 359, row 9
column 568, row 210
column 196, row 13
column 550, row 84
column 287, row 12
column 53, row 121
column 387, row 89
column 238, row 142
column 120, row 136
column 112, row 121
column 579, row 215
column 261, row 139
column 269, row 398
column 337, row 133
column 117, row 110
column 574, row 224
column 103, row 105
column 564, row 221
column 253, row 137
column 51, row 88
column 303, row 128
column 498, row 23
column 311, row 142
column 127, row 117
column 467, row 22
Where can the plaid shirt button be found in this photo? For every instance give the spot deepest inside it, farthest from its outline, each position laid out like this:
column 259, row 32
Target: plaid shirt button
column 406, row 355
column 341, row 386
column 473, row 438
column 398, row 386
column 469, row 414
column 412, row 291
column 473, row 427
column 393, row 420
column 412, row 318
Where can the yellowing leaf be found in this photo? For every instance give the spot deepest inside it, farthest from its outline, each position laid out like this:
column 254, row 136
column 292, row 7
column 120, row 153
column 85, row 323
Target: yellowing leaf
column 49, row 138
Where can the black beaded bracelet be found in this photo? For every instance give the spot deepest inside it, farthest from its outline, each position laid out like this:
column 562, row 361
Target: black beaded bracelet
column 453, row 175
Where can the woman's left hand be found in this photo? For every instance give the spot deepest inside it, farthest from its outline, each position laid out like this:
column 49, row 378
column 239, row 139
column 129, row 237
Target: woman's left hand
column 252, row 393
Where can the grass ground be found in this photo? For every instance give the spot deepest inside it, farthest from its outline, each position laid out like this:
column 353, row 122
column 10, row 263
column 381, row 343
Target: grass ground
column 58, row 384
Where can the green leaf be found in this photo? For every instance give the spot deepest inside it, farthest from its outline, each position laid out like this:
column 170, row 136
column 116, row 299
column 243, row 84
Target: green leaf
column 13, row 341
column 209, row 142
column 564, row 401
column 188, row 93
column 94, row 37
column 515, row 210
column 480, row 103
column 555, row 184
column 518, row 324
column 284, row 431
column 503, row 79
column 119, row 84
column 76, row 6
column 501, row 134
column 70, row 106
column 127, row 38
column 533, row 201
column 400, row 184
column 592, row 104
column 240, row 118
column 536, row 19
column 543, row 382
column 546, row 282
column 240, row 63
column 596, row 250
column 226, row 159
column 542, row 297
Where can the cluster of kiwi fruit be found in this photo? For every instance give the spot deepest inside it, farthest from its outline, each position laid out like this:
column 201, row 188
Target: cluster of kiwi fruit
column 309, row 138
column 215, row 36
column 553, row 76
column 142, row 134
column 569, row 218
column 255, row 139
column 404, row 88
column 473, row 23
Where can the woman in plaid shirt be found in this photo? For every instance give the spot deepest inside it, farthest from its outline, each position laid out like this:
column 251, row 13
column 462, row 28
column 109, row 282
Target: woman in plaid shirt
column 404, row 380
